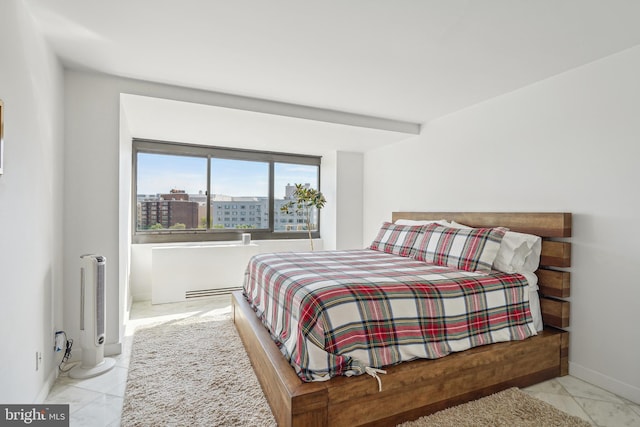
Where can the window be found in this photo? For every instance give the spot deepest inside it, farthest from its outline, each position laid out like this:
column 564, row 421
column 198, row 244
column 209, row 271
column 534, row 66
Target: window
column 194, row 193
column 286, row 176
column 163, row 184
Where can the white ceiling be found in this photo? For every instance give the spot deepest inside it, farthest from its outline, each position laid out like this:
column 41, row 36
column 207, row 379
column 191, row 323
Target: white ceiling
column 405, row 60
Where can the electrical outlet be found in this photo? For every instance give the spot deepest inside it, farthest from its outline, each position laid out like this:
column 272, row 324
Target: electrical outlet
column 59, row 341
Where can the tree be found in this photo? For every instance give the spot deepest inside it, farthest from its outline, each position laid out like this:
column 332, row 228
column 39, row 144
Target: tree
column 156, row 226
column 304, row 200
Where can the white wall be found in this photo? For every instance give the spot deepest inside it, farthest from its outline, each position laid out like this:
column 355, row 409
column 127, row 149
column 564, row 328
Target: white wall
column 329, row 188
column 202, row 254
column 91, row 202
column 125, row 219
column 570, row 143
column 31, row 194
column 349, row 171
column 341, row 218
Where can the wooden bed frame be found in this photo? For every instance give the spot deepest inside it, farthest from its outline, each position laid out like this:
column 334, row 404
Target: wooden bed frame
column 413, row 389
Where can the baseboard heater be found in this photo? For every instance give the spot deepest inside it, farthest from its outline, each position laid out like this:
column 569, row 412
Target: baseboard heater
column 211, row 292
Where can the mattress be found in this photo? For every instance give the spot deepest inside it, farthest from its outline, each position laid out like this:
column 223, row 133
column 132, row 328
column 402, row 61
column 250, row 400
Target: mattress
column 347, row 312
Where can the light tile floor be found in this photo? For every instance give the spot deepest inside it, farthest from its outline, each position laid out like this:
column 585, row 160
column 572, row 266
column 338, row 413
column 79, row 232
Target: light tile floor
column 98, row 401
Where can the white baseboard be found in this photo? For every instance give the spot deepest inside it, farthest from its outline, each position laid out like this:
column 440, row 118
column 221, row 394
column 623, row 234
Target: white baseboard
column 112, row 349
column 48, row 385
column 143, row 296
column 613, row 385
column 55, row 372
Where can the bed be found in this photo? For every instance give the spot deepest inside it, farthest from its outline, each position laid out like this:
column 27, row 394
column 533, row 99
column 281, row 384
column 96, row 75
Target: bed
column 415, row 388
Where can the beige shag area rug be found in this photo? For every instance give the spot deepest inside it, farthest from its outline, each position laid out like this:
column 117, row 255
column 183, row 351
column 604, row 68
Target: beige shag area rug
column 195, row 372
column 508, row 408
column 192, row 372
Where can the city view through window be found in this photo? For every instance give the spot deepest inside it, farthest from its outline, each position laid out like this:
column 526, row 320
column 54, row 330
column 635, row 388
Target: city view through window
column 172, row 193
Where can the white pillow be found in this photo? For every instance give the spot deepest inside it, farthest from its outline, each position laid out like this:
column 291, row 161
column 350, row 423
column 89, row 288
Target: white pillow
column 518, row 253
column 532, row 260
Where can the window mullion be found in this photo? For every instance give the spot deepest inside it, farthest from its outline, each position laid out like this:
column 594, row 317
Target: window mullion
column 272, row 198
column 208, row 210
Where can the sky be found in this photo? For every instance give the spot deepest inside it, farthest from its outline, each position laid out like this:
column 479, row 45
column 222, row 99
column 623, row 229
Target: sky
column 159, row 173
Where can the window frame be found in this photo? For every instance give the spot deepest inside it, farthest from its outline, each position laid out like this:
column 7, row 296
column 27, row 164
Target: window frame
column 151, row 146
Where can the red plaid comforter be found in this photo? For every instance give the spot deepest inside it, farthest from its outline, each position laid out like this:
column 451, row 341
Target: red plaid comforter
column 337, row 312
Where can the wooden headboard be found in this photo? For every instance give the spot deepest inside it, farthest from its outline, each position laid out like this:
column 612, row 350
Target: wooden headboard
column 553, row 227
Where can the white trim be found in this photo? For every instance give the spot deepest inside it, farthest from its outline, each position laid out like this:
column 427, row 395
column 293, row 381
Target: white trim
column 48, row 385
column 112, row 349
column 613, row 385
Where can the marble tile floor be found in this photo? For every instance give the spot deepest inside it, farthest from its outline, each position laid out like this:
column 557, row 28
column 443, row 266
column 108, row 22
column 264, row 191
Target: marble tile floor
column 98, row 401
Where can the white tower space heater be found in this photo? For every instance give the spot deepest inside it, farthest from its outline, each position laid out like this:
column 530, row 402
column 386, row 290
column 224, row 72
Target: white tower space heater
column 93, row 281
